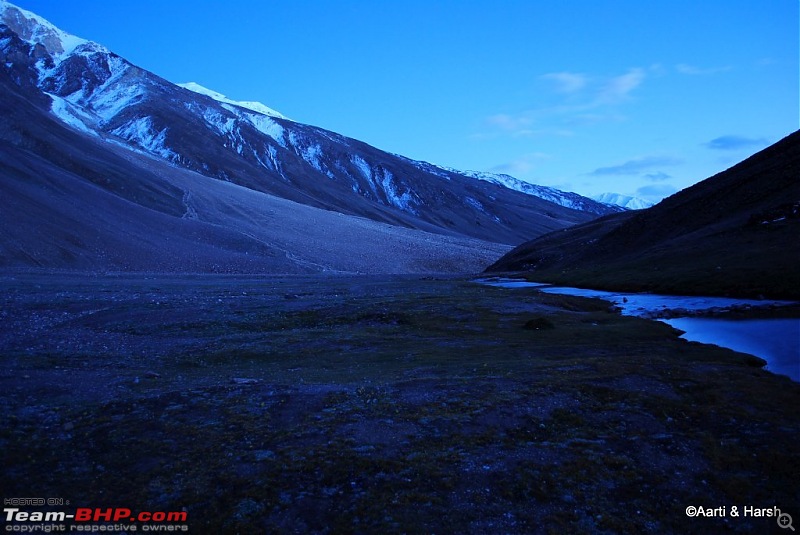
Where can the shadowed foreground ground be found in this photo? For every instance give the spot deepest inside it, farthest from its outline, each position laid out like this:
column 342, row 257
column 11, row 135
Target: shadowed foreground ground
column 381, row 405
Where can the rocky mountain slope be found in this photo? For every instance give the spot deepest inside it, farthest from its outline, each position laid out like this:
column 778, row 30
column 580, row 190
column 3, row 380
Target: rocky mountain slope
column 71, row 201
column 734, row 233
column 117, row 113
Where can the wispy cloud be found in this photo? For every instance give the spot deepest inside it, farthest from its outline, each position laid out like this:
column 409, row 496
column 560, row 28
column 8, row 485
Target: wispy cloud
column 517, row 125
column 514, row 124
column 618, row 88
column 581, row 99
column 637, row 166
column 733, row 142
column 692, row 70
column 596, row 91
column 567, row 82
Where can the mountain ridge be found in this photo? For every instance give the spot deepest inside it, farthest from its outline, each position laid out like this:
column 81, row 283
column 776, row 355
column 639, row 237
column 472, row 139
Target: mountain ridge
column 257, row 107
column 734, row 233
column 70, row 203
column 97, row 91
column 107, row 166
column 563, row 198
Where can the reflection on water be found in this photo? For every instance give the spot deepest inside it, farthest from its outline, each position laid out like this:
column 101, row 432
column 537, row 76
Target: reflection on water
column 775, row 340
column 649, row 305
column 642, row 305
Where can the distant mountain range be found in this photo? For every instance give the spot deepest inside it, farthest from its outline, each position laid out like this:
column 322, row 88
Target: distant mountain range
column 564, row 198
column 736, row 233
column 109, row 166
column 624, row 201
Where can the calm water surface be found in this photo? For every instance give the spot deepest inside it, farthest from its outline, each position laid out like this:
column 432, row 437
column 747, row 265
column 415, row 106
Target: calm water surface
column 775, row 340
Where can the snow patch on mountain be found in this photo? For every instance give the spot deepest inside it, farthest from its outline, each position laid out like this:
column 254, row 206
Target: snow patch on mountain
column 105, row 98
column 267, row 126
column 625, row 201
column 36, row 30
column 142, row 133
column 366, row 171
column 219, row 97
column 223, row 125
column 311, row 154
column 309, row 151
column 405, row 201
column 70, row 114
column 362, row 165
column 273, row 156
column 384, row 180
column 563, row 198
column 332, row 136
column 436, row 170
column 510, row 182
column 112, row 99
column 475, row 203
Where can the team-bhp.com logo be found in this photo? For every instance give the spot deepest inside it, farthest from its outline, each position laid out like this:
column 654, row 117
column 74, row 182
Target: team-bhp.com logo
column 124, row 518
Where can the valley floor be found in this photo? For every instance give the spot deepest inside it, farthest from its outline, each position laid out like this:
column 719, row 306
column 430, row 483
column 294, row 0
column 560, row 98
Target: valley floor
column 381, row 405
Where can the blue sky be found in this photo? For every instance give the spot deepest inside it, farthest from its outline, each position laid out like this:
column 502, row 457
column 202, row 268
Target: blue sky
column 636, row 97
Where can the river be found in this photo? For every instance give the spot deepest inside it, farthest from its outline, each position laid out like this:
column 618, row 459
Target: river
column 775, row 340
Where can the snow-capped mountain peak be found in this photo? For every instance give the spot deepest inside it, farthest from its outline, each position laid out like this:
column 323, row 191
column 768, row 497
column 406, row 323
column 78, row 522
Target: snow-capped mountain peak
column 625, row 201
column 36, row 30
column 219, row 97
column 564, row 198
column 112, row 103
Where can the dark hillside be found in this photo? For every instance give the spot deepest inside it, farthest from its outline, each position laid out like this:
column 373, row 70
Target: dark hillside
column 735, row 233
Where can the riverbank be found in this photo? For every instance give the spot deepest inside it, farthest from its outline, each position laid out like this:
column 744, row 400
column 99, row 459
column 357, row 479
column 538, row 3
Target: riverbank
column 392, row 404
column 767, row 329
